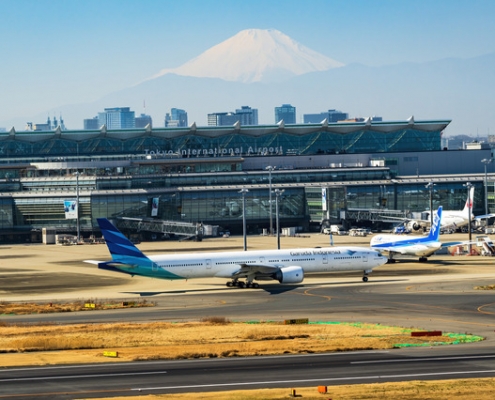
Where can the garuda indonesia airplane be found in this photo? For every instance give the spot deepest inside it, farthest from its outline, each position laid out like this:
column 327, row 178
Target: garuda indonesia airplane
column 285, row 266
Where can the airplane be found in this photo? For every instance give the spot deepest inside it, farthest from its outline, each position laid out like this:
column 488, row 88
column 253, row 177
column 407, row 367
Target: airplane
column 451, row 219
column 412, row 245
column 285, row 266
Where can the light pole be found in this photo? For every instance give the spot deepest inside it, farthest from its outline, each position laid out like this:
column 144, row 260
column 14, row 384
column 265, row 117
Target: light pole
column 77, row 208
column 270, row 168
column 243, row 192
column 430, row 186
column 278, row 193
column 469, row 185
column 486, row 161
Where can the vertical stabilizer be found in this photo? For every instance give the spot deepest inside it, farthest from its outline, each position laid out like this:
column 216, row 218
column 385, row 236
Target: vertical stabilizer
column 435, row 227
column 469, row 204
column 121, row 248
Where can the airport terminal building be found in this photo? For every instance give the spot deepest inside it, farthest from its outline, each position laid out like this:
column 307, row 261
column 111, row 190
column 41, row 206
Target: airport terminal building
column 195, row 175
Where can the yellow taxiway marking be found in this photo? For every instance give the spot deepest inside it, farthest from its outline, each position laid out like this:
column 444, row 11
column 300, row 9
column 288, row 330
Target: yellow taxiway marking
column 486, row 312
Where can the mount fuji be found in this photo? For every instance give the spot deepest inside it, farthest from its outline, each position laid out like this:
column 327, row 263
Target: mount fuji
column 255, row 55
column 264, row 69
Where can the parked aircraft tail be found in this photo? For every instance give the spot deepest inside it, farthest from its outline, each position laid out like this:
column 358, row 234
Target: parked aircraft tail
column 435, row 227
column 122, row 249
column 469, row 203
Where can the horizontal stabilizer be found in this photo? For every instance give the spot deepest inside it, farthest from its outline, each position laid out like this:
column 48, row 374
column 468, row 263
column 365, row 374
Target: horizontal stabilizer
column 116, row 267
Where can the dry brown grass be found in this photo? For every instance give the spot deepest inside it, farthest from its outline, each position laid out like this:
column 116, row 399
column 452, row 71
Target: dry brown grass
column 204, row 339
column 56, row 307
column 461, row 389
column 486, row 287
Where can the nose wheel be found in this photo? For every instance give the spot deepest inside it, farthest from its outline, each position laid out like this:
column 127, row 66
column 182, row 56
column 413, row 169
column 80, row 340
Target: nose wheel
column 365, row 276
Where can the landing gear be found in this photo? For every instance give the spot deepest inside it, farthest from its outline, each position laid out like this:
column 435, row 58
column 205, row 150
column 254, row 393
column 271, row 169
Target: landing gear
column 241, row 284
column 423, row 259
column 365, row 276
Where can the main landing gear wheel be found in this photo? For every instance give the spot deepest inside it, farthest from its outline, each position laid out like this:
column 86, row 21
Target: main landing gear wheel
column 241, row 284
column 365, row 279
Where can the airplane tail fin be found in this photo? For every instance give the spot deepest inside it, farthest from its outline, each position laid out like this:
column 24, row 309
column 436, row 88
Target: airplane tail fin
column 469, row 203
column 121, row 248
column 435, row 227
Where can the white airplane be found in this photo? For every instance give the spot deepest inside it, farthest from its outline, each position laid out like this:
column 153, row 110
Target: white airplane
column 451, row 219
column 412, row 245
column 285, row 266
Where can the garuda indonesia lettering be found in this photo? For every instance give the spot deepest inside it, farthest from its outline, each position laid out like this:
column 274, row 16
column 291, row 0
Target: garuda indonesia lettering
column 285, row 266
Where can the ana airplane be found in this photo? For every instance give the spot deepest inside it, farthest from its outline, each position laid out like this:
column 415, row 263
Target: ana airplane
column 285, row 266
column 412, row 245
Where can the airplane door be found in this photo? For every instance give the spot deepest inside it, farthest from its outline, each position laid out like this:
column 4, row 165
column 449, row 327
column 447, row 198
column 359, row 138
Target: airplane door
column 208, row 263
column 262, row 260
column 325, row 259
column 154, row 267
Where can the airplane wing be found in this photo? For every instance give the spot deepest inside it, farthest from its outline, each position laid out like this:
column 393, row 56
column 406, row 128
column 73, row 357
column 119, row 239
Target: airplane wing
column 486, row 216
column 256, row 270
column 450, row 244
column 415, row 249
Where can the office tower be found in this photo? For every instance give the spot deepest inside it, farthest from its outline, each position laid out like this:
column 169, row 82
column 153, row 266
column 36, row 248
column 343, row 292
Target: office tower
column 117, row 118
column 330, row 115
column 143, row 121
column 247, row 115
column 222, row 119
column 91, row 123
column 176, row 118
column 287, row 113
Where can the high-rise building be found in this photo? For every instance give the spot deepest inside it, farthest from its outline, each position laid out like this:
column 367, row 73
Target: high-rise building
column 143, row 121
column 222, row 119
column 287, row 113
column 91, row 123
column 117, row 118
column 330, row 115
column 245, row 116
column 176, row 118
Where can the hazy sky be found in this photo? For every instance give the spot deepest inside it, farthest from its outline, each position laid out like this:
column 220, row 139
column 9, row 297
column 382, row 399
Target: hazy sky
column 57, row 52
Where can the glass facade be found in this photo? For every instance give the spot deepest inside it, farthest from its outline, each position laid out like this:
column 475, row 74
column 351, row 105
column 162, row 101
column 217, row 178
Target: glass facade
column 336, row 138
column 196, row 174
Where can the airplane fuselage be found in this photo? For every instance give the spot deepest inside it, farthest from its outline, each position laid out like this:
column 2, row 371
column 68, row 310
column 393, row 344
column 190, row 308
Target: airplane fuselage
column 226, row 264
column 411, row 246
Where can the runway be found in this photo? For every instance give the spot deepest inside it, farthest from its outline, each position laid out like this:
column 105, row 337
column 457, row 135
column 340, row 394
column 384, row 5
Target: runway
column 438, row 295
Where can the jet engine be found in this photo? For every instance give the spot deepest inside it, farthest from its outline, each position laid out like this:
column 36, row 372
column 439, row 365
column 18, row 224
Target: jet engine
column 413, row 225
column 290, row 275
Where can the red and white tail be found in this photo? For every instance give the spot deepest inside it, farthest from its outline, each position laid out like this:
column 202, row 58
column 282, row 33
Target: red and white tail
column 469, row 202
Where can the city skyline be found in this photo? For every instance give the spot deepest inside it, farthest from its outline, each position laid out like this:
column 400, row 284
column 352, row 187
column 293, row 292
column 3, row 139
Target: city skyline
column 57, row 53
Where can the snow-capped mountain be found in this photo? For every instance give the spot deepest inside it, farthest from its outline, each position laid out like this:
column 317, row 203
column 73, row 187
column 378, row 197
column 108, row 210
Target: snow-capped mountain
column 255, row 55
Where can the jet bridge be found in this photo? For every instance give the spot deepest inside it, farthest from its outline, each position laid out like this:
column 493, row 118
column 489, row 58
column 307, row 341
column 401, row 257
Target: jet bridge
column 375, row 215
column 186, row 230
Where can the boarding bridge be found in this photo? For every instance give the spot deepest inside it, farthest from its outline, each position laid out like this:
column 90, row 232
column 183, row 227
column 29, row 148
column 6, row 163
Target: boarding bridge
column 375, row 215
column 186, row 230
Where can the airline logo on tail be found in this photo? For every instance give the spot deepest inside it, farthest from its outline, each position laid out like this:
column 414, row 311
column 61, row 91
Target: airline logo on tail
column 469, row 202
column 435, row 227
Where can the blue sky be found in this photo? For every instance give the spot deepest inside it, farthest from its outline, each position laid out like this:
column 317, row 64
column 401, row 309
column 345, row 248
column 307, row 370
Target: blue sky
column 56, row 52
